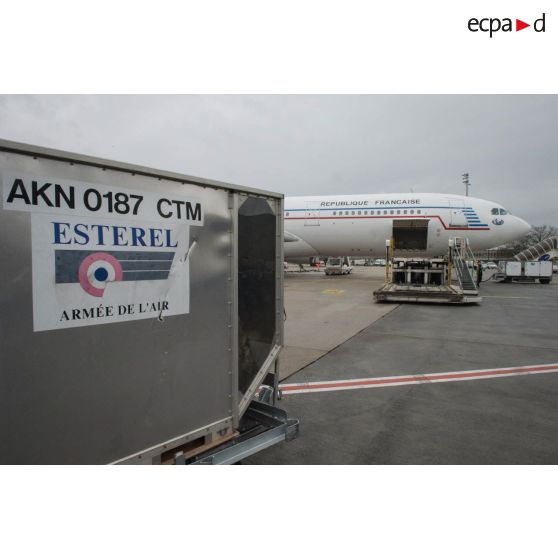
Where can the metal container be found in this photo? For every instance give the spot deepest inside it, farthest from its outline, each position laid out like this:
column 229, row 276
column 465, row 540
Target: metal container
column 538, row 269
column 139, row 311
column 513, row 269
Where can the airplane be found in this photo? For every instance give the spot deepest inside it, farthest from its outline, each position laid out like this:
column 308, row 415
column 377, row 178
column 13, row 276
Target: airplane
column 359, row 225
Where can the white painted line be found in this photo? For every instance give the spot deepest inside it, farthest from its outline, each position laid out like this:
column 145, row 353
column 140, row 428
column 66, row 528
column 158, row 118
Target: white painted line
column 514, row 297
column 433, row 377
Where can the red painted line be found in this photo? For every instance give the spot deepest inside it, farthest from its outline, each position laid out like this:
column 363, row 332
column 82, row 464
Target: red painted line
column 422, row 378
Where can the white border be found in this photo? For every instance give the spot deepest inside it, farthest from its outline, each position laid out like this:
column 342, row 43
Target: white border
column 278, row 511
column 287, row 46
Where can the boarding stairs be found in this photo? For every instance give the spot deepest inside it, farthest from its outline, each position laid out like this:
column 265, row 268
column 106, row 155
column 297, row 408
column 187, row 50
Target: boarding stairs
column 463, row 273
column 546, row 249
column 461, row 255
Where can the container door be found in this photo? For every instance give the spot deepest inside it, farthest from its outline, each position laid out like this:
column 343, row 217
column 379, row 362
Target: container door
column 513, row 269
column 532, row 269
column 545, row 268
column 259, row 266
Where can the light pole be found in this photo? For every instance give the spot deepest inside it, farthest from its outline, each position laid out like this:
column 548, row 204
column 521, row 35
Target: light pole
column 465, row 181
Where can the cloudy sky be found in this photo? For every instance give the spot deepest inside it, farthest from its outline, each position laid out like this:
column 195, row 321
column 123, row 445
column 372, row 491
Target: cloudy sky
column 318, row 144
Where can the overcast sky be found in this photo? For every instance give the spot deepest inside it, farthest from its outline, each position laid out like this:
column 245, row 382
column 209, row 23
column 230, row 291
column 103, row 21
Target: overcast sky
column 319, row 144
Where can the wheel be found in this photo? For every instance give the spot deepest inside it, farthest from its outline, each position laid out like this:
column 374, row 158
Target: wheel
column 544, row 281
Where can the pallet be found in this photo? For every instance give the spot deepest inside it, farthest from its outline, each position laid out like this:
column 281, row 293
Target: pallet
column 194, row 447
column 391, row 292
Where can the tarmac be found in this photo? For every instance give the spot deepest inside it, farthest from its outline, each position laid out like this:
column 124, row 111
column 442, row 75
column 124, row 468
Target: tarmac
column 322, row 312
column 504, row 420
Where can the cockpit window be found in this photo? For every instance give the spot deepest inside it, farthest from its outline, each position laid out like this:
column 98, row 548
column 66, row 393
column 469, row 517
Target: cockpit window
column 499, row 211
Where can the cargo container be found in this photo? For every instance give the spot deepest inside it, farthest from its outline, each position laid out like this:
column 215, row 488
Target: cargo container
column 525, row 272
column 140, row 312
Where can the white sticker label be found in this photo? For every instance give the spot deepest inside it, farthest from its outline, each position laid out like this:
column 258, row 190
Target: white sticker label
column 65, row 197
column 110, row 256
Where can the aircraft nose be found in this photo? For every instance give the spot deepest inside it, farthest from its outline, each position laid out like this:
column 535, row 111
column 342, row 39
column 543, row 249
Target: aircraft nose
column 524, row 227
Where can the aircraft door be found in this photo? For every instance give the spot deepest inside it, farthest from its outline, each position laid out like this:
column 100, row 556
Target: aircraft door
column 312, row 215
column 457, row 215
column 410, row 234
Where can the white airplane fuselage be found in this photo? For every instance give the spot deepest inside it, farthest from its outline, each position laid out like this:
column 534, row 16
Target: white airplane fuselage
column 359, row 225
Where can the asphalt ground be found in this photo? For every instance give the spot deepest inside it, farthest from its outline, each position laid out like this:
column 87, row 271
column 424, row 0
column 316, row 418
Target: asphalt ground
column 507, row 420
column 324, row 311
